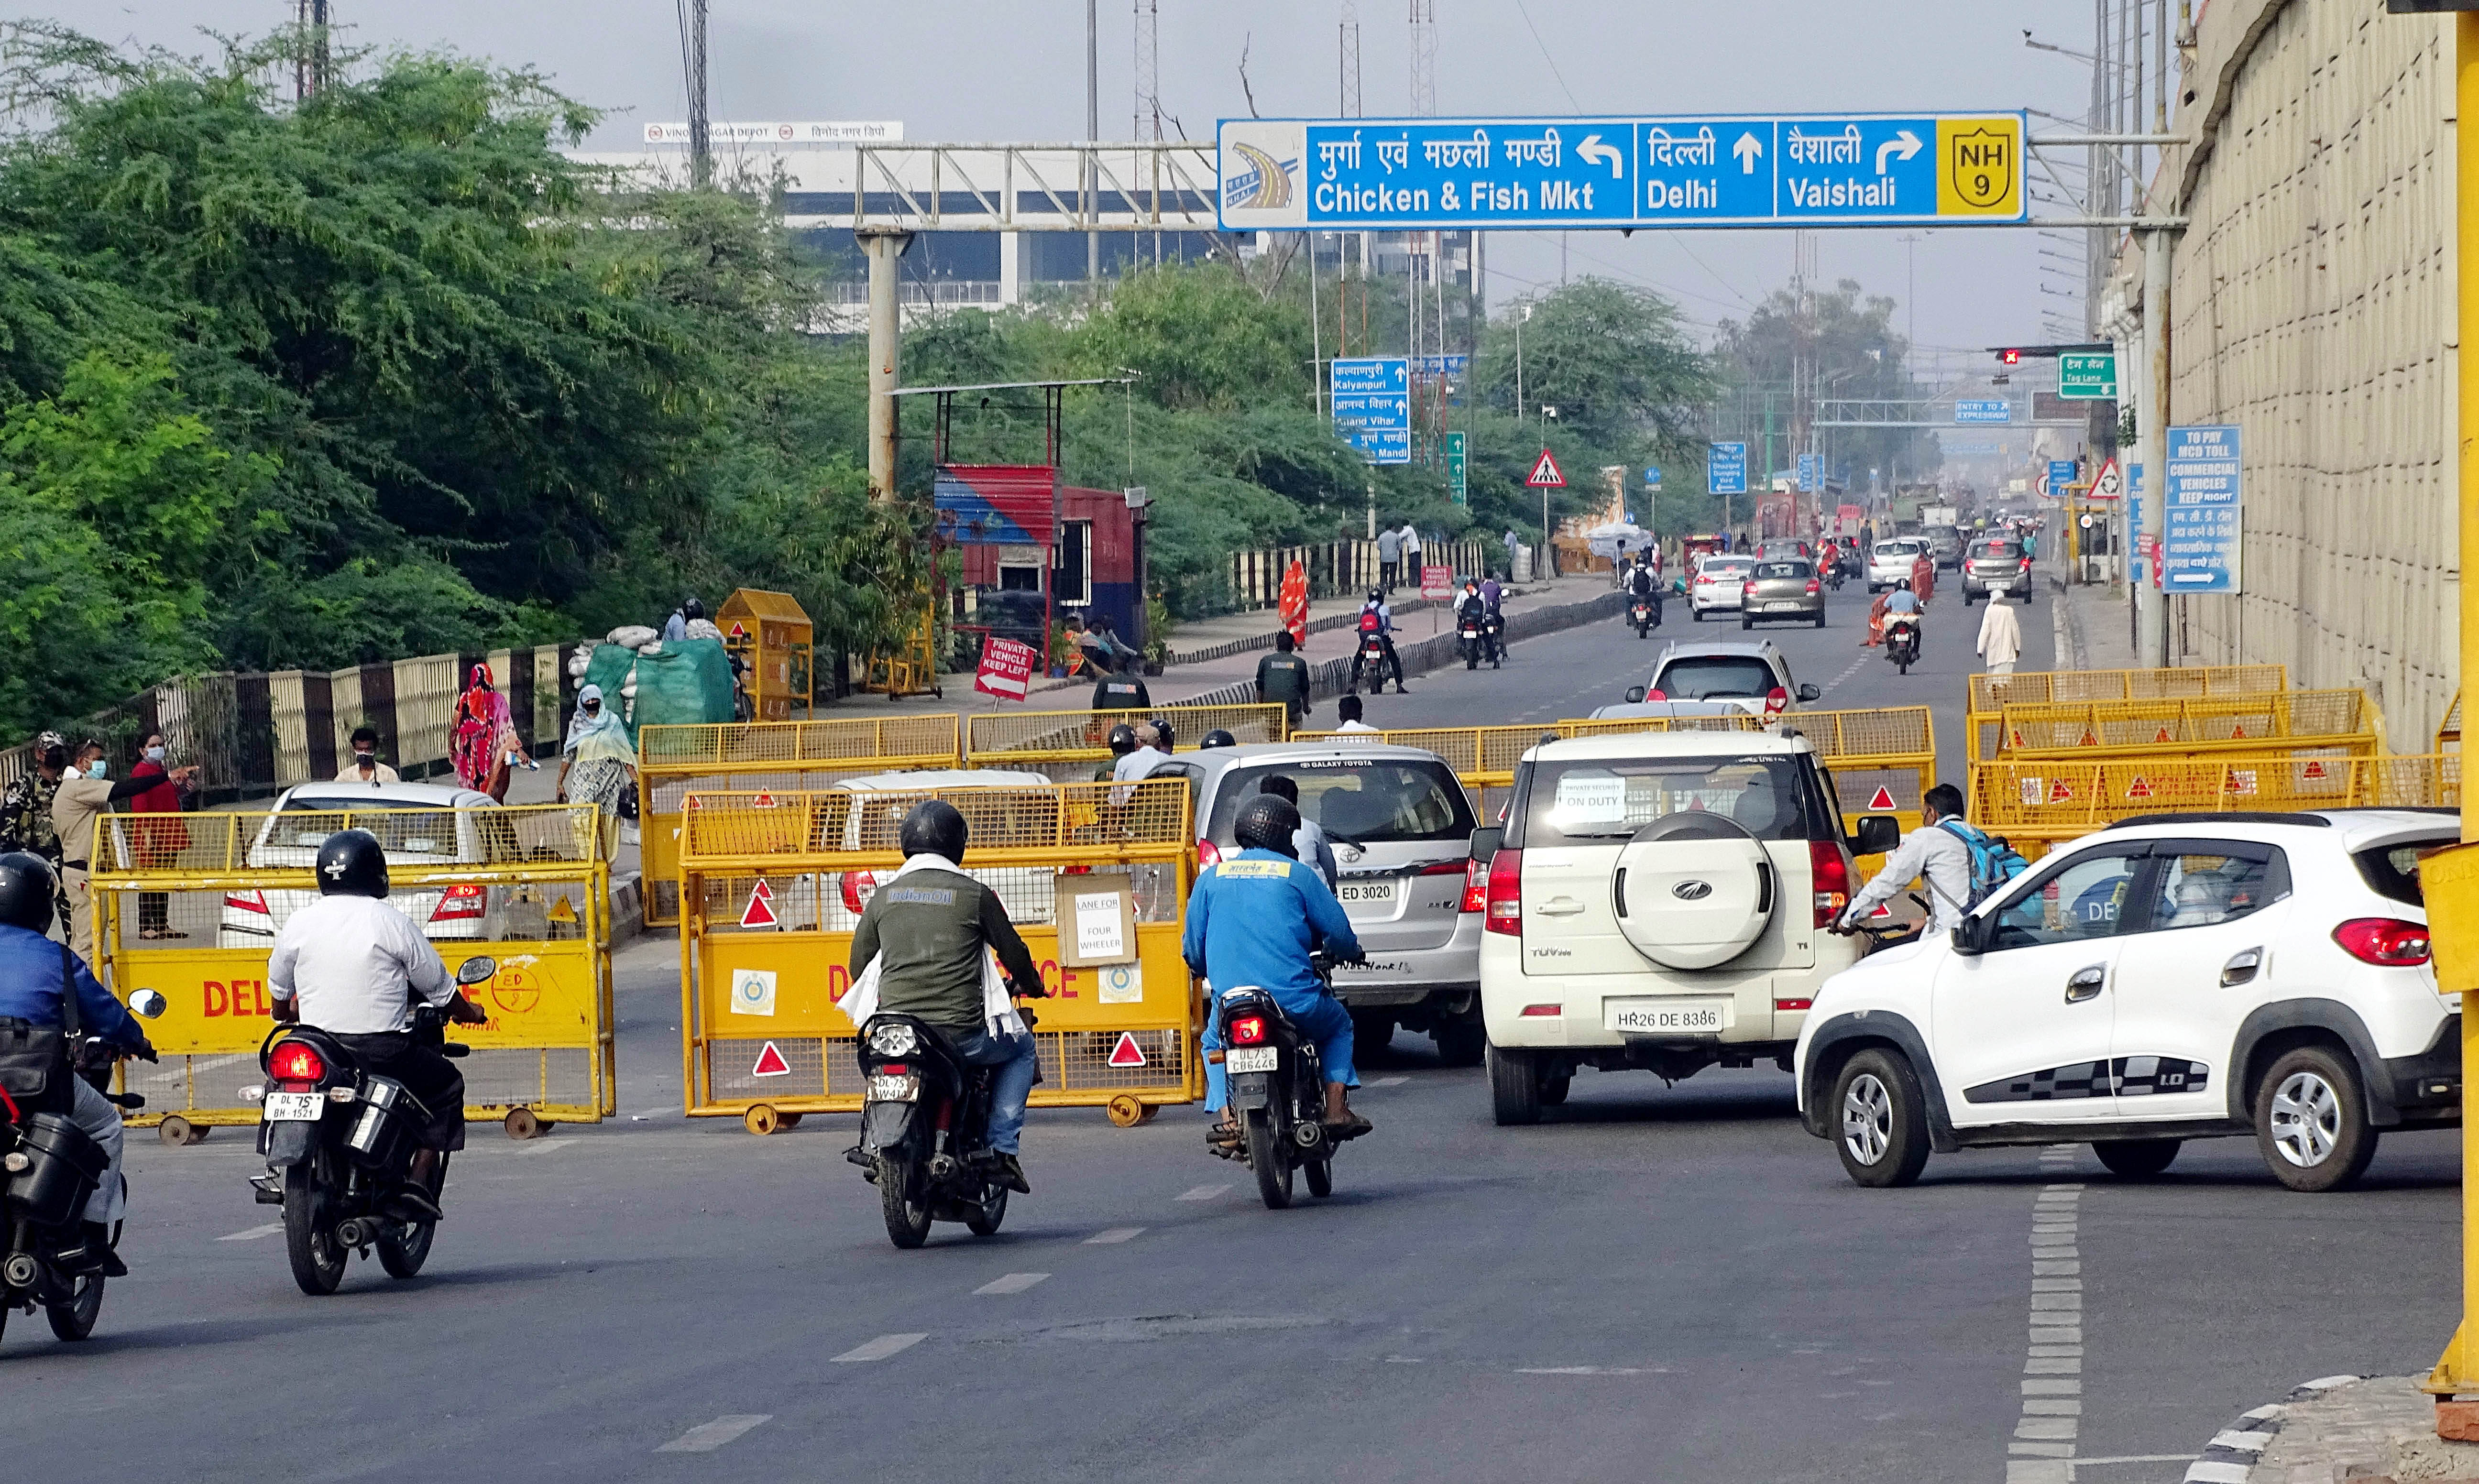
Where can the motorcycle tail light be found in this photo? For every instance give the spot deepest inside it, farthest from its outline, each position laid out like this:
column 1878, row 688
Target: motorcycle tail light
column 1505, row 899
column 2388, row 941
column 296, row 1061
column 1475, row 887
column 1829, row 872
column 1248, row 1030
column 857, row 886
column 461, row 903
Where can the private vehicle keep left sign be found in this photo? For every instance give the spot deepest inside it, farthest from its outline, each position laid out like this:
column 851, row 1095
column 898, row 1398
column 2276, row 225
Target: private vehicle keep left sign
column 1713, row 171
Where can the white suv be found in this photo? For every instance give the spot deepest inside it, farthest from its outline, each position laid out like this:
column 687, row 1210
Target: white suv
column 2175, row 977
column 1658, row 902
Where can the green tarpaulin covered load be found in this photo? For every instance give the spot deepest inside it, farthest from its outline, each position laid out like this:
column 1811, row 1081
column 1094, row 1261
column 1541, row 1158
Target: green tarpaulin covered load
column 684, row 682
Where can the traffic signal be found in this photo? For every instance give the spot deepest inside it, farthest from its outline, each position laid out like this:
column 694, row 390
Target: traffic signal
column 2011, row 356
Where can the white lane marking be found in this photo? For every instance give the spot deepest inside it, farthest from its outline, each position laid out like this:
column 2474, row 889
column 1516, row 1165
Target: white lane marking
column 1389, row 1082
column 1205, row 1192
column 651, row 1112
column 1114, row 1235
column 1856, row 666
column 254, row 1233
column 2136, row 1458
column 878, row 1349
column 1011, row 1283
column 547, row 1145
column 706, row 1437
column 2043, row 1446
column 1592, row 1371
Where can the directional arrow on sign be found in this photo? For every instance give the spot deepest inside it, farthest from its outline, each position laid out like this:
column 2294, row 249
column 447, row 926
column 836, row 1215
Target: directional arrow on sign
column 1750, row 149
column 1902, row 146
column 1594, row 149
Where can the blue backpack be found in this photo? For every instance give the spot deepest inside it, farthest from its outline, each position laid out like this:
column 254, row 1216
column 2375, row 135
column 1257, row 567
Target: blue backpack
column 1993, row 862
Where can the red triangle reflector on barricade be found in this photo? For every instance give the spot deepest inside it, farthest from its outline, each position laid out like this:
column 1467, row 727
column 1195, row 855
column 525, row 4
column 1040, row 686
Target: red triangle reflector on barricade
column 760, row 913
column 2138, row 789
column 1882, row 798
column 771, row 1064
column 1127, row 1053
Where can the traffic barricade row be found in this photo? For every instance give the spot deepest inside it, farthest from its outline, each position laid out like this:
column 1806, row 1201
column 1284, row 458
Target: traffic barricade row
column 2345, row 718
column 772, row 888
column 2448, row 731
column 1068, row 746
column 763, row 755
column 1991, row 693
column 189, row 904
column 2038, row 805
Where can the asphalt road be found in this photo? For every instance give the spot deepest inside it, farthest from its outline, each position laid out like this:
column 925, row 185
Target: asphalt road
column 1661, row 1283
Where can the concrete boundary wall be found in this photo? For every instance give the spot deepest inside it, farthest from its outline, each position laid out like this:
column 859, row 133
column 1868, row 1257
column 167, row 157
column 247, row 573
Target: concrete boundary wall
column 2312, row 305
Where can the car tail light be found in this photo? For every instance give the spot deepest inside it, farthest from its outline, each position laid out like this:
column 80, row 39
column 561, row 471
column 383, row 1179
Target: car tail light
column 2388, row 941
column 1829, row 868
column 1444, row 868
column 1548, row 1011
column 1248, row 1030
column 296, row 1061
column 857, row 885
column 1475, row 887
column 1813, row 588
column 1775, row 699
column 1656, row 695
column 1207, row 853
column 461, row 903
column 247, row 902
column 1504, row 904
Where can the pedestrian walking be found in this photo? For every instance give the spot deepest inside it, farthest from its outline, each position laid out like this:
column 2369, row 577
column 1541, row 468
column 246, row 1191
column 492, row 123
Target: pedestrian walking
column 157, row 843
column 1389, row 558
column 2001, row 634
column 597, row 764
column 1283, row 678
column 482, row 741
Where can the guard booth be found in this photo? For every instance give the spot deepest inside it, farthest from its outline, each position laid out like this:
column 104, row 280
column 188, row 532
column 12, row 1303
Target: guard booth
column 770, row 634
column 189, row 905
column 771, row 887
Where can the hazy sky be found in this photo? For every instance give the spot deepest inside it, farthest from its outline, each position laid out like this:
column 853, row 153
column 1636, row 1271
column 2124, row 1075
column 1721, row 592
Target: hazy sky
column 993, row 70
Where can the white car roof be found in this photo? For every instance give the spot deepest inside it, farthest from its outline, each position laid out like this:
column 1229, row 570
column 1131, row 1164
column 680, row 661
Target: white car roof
column 948, row 777
column 1667, row 744
column 388, row 796
column 2349, row 830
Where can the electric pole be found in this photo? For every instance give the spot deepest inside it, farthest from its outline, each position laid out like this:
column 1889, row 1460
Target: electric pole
column 692, row 63
column 1092, row 133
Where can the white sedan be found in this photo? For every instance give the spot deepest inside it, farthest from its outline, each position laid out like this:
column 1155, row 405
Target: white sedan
column 1717, row 583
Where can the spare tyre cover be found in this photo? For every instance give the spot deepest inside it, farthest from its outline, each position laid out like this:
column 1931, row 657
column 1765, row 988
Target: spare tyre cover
column 1696, row 890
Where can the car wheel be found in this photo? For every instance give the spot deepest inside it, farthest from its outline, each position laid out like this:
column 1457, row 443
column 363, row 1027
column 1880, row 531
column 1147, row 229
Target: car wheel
column 1514, row 1087
column 2311, row 1120
column 2137, row 1158
column 1879, row 1119
column 1461, row 1042
column 1700, row 618
column 1745, row 622
column 1819, row 622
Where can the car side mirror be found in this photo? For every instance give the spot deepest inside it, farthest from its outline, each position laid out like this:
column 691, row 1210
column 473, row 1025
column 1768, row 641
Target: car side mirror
column 1485, row 841
column 1809, row 692
column 1971, row 935
column 479, row 969
column 1878, row 834
column 1635, row 694
column 148, row 1004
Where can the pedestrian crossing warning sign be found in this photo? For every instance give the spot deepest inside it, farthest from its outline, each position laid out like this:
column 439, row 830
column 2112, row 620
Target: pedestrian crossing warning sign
column 771, row 1062
column 1127, row 1053
column 1881, row 799
column 1545, row 473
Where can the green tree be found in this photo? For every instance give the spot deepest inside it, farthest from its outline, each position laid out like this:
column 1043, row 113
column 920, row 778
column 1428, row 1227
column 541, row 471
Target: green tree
column 1848, row 344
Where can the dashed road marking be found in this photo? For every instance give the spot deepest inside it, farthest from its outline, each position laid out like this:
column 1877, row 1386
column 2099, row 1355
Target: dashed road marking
column 254, row 1233
column 1856, row 666
column 879, row 1349
column 546, row 1145
column 1389, row 1082
column 1205, row 1192
column 1011, row 1283
column 1114, row 1235
column 2043, row 1449
column 706, row 1437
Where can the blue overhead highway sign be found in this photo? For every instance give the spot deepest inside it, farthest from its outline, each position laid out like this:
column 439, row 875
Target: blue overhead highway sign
column 1621, row 170
column 1372, row 405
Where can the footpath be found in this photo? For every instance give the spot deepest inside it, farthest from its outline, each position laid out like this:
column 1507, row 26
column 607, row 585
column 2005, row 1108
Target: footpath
column 2092, row 628
column 2365, row 1429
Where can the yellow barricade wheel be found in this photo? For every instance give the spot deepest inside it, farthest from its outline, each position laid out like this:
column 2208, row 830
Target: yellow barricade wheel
column 1126, row 1111
column 762, row 1120
column 787, row 1121
column 521, row 1123
column 179, row 1131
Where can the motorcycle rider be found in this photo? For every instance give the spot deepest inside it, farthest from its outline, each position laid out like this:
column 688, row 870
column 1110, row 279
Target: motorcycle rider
column 351, row 966
column 1643, row 586
column 1377, row 618
column 928, row 927
column 1473, row 609
column 1253, row 920
column 38, row 979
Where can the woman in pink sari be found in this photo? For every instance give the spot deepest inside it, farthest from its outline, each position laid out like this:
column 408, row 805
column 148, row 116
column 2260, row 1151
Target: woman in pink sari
column 484, row 741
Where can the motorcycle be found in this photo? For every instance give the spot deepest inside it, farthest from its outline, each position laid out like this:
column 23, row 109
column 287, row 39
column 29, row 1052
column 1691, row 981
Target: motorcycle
column 338, row 1144
column 51, row 1168
column 1371, row 656
column 1639, row 614
column 925, row 1124
column 1493, row 624
column 1472, row 641
column 1903, row 641
column 1834, row 572
column 1277, row 1092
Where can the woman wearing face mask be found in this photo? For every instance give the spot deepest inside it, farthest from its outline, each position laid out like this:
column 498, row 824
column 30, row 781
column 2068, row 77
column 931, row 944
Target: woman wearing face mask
column 81, row 796
column 484, row 744
column 156, row 843
column 597, row 765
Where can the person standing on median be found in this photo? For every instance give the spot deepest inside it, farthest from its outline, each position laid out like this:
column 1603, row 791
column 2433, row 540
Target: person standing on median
column 1411, row 554
column 1283, row 678
column 2001, row 634
column 1390, row 557
column 75, row 807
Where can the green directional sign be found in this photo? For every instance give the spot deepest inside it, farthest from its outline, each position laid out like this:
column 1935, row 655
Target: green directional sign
column 1455, row 465
column 2083, row 376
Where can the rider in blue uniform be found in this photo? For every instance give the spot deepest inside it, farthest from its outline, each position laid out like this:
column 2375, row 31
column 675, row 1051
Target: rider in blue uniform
column 1253, row 919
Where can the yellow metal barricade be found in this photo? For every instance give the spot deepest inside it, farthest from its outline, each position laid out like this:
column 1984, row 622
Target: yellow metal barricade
column 772, row 888
column 2037, row 803
column 189, row 903
column 761, row 755
column 2346, row 721
column 1069, row 745
column 2448, row 731
column 1991, row 694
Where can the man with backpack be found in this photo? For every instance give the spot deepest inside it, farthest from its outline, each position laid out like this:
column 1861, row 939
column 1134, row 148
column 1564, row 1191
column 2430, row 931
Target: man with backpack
column 1960, row 864
column 1377, row 618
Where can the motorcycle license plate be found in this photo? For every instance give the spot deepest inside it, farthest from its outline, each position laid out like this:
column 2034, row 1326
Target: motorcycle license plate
column 292, row 1107
column 1251, row 1059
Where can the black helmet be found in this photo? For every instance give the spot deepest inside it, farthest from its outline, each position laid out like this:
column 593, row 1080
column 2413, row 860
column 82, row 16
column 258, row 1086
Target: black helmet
column 1162, row 733
column 1266, row 823
column 1217, row 737
column 691, row 608
column 1123, row 740
column 1377, row 595
column 26, row 891
column 353, row 864
column 934, row 827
